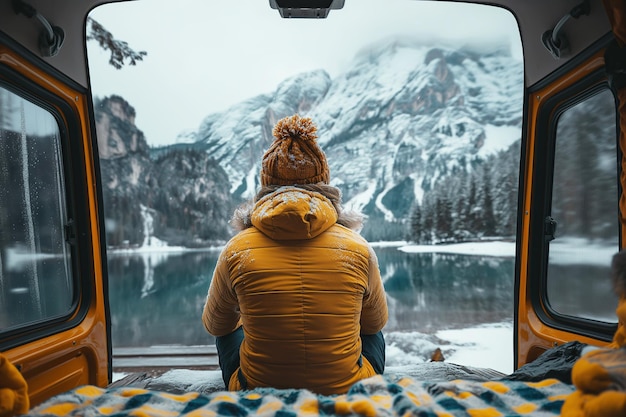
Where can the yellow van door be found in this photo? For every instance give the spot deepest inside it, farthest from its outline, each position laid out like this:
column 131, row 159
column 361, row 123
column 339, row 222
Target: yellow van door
column 569, row 208
column 53, row 309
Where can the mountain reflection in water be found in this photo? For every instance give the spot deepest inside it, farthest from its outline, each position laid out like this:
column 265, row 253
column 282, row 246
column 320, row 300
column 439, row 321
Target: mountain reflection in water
column 157, row 298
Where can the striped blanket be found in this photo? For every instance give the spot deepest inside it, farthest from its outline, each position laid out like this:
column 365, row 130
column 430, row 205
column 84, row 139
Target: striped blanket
column 389, row 395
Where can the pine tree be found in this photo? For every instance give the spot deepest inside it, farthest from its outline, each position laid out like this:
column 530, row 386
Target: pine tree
column 487, row 219
column 120, row 51
column 472, row 209
column 428, row 220
column 417, row 232
column 443, row 226
column 505, row 185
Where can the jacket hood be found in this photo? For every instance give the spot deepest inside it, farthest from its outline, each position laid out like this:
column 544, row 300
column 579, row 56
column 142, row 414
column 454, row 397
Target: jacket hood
column 292, row 213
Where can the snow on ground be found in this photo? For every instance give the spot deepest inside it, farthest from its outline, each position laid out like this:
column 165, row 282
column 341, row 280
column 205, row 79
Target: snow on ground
column 389, row 244
column 486, row 346
column 564, row 250
column 489, row 248
column 576, row 251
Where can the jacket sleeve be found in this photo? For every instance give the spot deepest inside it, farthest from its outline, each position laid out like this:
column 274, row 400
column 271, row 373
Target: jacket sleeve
column 374, row 312
column 221, row 309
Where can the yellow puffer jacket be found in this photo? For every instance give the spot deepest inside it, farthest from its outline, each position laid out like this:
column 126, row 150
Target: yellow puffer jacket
column 304, row 288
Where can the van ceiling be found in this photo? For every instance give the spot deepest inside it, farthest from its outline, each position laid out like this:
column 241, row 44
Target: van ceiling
column 534, row 17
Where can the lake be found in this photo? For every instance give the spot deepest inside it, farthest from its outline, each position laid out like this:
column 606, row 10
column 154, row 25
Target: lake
column 157, row 298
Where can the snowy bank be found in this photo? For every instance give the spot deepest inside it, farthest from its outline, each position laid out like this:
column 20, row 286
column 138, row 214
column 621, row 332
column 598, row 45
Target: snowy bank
column 490, row 248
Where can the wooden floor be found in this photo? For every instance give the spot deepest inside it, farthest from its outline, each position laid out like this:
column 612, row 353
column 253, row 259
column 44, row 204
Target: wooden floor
column 189, row 357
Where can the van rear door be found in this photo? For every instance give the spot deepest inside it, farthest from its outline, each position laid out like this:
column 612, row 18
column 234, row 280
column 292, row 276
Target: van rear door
column 569, row 206
column 54, row 323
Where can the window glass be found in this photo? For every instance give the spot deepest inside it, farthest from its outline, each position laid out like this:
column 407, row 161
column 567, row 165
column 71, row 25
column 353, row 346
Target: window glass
column 35, row 278
column 584, row 205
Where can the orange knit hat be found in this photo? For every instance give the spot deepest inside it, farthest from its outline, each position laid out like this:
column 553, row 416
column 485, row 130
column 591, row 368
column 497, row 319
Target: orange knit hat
column 294, row 157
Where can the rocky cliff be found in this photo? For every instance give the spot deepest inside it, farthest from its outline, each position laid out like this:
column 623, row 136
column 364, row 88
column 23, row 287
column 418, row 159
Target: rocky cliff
column 176, row 196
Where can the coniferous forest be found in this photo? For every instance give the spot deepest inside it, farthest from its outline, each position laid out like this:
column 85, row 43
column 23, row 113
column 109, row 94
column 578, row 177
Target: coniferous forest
column 469, row 206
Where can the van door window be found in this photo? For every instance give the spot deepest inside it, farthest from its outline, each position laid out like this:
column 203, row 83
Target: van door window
column 35, row 268
column 585, row 208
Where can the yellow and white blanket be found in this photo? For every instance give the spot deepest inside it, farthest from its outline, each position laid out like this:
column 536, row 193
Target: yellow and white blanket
column 377, row 396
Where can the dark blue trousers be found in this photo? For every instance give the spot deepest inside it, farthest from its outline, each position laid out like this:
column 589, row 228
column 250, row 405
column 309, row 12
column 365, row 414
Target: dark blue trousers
column 373, row 348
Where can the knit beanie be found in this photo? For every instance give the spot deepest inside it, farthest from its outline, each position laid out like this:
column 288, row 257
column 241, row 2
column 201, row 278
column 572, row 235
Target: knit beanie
column 294, row 157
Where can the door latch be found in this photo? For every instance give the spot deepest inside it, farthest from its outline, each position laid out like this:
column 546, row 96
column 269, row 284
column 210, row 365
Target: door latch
column 549, row 229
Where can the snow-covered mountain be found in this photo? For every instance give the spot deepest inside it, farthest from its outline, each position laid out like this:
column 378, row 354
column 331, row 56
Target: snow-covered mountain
column 406, row 131
column 404, row 116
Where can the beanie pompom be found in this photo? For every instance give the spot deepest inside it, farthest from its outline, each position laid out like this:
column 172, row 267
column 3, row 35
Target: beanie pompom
column 294, row 157
column 295, row 127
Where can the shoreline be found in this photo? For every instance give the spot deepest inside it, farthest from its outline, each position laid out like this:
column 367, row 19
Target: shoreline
column 493, row 247
column 570, row 250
